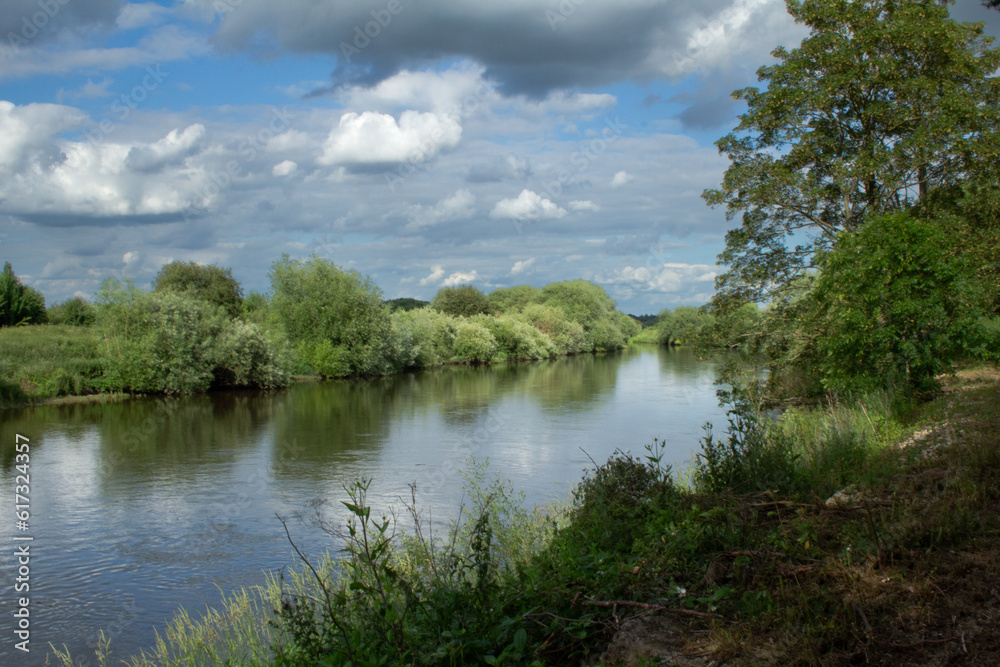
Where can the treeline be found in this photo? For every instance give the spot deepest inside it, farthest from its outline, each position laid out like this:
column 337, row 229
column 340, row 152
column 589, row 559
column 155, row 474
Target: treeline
column 197, row 330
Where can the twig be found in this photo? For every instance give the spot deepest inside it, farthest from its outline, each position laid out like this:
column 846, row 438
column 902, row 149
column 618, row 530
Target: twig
column 590, row 457
column 926, row 641
column 612, row 604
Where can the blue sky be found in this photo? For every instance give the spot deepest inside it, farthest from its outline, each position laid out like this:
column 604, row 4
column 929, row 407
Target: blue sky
column 426, row 143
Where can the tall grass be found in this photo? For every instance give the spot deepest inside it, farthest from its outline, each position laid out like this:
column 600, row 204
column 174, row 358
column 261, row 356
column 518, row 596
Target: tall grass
column 49, row 360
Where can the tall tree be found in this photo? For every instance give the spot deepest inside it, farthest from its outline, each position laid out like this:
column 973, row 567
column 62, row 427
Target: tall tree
column 883, row 101
column 19, row 304
column 209, row 283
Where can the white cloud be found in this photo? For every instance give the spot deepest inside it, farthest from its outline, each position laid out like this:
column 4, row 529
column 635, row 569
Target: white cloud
column 585, row 205
column 140, row 14
column 373, row 138
column 437, row 273
column 285, row 168
column 460, row 278
column 668, row 277
column 461, row 205
column 529, row 205
column 522, row 266
column 170, row 150
column 440, row 92
column 621, row 178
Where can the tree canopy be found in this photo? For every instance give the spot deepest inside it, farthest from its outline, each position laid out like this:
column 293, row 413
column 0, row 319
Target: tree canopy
column 211, row 283
column 461, row 301
column 19, row 304
column 884, row 101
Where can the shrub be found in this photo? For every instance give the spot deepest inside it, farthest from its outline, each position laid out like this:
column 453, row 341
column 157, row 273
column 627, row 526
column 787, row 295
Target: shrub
column 75, row 311
column 431, row 335
column 168, row 342
column 516, row 338
column 332, row 311
column 473, row 343
column 211, row 283
column 895, row 302
column 513, row 299
column 567, row 336
column 462, row 301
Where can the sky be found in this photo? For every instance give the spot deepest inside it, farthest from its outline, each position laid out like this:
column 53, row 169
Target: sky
column 424, row 143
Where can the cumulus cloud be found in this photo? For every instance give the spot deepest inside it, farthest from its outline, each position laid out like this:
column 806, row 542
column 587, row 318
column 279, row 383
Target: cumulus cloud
column 437, row 273
column 528, row 205
column 621, row 178
column 285, row 168
column 668, row 277
column 171, row 150
column 585, row 205
column 461, row 205
column 460, row 278
column 522, row 266
column 372, row 138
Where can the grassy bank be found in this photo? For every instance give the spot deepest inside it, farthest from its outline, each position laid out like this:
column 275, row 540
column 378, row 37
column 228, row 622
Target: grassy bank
column 46, row 361
column 854, row 533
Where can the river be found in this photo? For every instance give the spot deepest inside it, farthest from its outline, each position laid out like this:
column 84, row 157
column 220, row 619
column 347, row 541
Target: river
column 140, row 507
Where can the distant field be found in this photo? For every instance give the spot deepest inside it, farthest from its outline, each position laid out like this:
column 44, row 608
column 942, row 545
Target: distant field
column 43, row 361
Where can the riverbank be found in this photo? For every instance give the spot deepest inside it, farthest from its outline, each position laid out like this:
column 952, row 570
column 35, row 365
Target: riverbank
column 872, row 536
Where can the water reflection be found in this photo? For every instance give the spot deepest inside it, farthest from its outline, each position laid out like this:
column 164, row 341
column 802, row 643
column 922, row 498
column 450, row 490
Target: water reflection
column 147, row 505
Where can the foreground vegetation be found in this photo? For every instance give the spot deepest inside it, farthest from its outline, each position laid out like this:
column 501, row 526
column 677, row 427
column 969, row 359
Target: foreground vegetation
column 855, row 531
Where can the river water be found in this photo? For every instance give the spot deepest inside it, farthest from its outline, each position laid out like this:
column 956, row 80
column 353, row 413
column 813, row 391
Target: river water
column 141, row 507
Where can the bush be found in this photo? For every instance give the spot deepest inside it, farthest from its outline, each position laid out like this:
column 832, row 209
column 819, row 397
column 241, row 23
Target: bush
column 473, row 343
column 894, row 302
column 513, row 299
column 19, row 304
column 332, row 314
column 75, row 311
column 167, row 342
column 516, row 338
column 581, row 300
column 431, row 335
column 462, row 301
column 567, row 336
column 209, row 283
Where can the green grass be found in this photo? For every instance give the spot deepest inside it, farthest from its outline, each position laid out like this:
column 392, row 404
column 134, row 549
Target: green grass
column 648, row 336
column 43, row 361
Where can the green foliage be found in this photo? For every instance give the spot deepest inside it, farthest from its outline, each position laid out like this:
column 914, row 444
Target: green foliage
column 881, row 103
column 19, row 304
column 512, row 299
column 168, row 342
column 332, row 315
column 431, row 334
column 211, row 283
column 683, row 325
column 894, row 303
column 405, row 304
column 75, row 311
column 462, row 301
column 516, row 338
column 736, row 328
column 411, row 599
column 581, row 300
column 567, row 336
column 473, row 342
column 49, row 360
